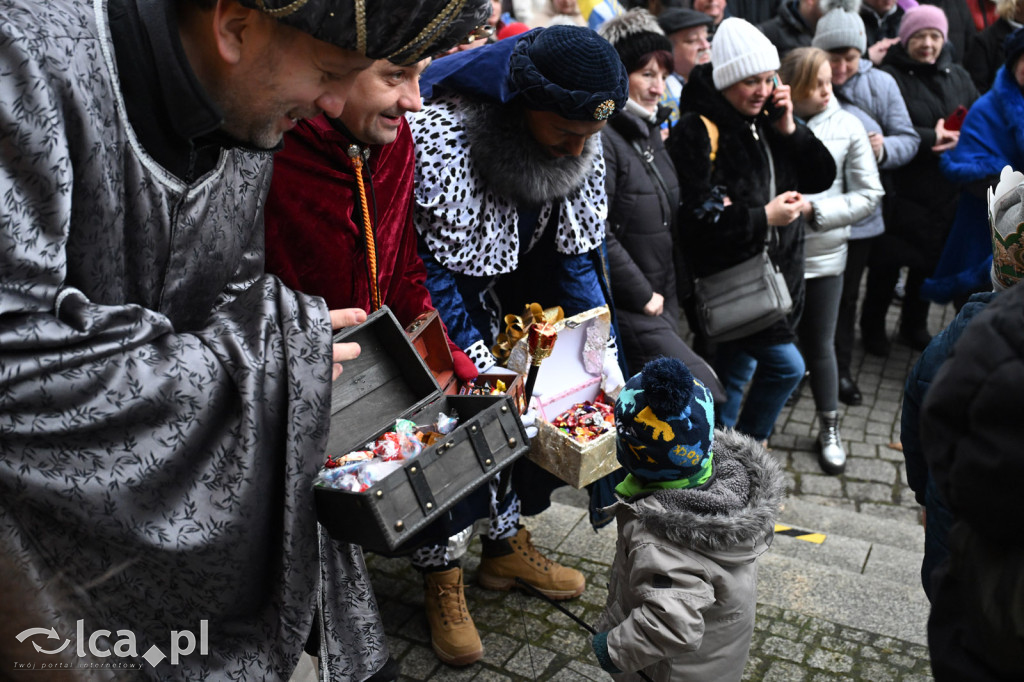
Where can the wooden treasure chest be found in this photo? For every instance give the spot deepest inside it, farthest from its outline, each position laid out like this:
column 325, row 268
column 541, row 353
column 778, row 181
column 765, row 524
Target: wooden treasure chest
column 389, row 381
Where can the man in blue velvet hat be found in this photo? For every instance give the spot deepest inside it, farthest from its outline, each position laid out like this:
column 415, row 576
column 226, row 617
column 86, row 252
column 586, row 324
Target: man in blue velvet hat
column 511, row 209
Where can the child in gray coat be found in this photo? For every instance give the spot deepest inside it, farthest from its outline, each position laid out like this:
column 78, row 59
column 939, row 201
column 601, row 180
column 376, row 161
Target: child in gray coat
column 695, row 512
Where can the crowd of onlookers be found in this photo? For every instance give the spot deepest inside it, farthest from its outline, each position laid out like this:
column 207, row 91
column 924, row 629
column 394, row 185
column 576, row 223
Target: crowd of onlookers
column 908, row 72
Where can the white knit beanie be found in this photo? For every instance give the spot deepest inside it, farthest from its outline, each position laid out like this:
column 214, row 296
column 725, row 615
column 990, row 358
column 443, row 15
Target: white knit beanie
column 839, row 30
column 739, row 50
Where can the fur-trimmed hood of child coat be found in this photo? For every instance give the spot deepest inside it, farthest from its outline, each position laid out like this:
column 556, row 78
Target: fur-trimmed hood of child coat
column 683, row 588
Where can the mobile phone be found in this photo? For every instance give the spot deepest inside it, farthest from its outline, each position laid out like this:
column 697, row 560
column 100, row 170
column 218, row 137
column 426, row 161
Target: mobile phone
column 770, row 110
column 956, row 119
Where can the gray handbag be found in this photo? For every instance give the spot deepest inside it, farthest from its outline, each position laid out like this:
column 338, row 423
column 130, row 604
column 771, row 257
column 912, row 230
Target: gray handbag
column 749, row 296
column 742, row 300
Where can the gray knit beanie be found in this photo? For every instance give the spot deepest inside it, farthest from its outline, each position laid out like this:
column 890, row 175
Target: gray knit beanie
column 739, row 50
column 840, row 29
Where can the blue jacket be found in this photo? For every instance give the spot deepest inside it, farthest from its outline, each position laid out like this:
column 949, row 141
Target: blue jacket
column 992, row 137
column 919, row 380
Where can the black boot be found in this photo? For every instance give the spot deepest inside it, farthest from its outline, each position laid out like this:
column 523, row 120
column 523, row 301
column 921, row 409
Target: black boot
column 849, row 393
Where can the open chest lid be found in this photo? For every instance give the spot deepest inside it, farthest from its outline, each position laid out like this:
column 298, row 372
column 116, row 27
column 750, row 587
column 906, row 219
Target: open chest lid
column 388, row 380
column 575, row 364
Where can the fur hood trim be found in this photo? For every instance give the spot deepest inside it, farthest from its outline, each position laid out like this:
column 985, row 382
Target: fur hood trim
column 739, row 505
column 636, row 20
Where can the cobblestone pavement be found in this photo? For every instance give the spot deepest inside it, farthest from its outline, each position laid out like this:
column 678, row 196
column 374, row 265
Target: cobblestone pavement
column 526, row 639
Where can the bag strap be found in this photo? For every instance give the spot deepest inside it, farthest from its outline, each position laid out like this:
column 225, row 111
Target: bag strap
column 659, row 181
column 712, row 129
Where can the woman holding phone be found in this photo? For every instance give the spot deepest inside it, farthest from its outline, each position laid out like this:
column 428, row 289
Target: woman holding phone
column 922, row 202
column 750, row 194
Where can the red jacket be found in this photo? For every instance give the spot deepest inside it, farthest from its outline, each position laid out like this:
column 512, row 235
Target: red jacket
column 314, row 244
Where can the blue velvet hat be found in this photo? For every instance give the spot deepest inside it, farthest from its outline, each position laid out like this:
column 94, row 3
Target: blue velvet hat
column 665, row 420
column 571, row 71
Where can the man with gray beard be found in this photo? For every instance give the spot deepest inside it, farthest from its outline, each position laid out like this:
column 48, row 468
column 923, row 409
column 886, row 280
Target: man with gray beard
column 511, row 206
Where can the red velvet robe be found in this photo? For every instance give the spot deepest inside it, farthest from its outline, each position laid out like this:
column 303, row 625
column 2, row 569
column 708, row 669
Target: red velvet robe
column 314, row 245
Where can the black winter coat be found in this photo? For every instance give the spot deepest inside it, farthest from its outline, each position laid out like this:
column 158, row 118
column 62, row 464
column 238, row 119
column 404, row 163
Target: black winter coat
column 971, row 433
column 641, row 219
column 787, row 30
column 922, row 202
column 888, row 27
column 641, row 242
column 754, row 11
column 714, row 240
column 985, row 54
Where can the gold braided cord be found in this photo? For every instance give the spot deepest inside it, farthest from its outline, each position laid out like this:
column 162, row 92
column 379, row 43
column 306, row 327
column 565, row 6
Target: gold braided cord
column 360, row 26
column 371, row 247
column 417, row 55
column 454, row 7
column 291, row 8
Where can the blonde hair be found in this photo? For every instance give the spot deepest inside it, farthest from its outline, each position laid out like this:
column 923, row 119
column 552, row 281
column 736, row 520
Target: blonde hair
column 799, row 70
column 1006, row 8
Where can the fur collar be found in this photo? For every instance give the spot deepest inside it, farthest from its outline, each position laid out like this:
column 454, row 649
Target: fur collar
column 501, row 146
column 738, row 505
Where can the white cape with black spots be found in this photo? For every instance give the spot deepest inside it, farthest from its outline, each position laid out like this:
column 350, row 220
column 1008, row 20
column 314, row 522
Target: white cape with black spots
column 471, row 227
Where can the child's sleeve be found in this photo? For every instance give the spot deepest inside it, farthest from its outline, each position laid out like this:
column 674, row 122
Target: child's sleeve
column 674, row 590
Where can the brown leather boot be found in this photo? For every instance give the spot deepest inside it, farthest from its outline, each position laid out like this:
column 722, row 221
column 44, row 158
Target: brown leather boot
column 505, row 560
column 452, row 632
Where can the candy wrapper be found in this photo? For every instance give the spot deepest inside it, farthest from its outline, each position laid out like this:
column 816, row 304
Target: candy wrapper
column 586, row 421
column 359, row 470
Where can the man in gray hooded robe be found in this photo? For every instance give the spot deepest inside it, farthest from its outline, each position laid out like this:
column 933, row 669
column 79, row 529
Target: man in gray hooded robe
column 163, row 403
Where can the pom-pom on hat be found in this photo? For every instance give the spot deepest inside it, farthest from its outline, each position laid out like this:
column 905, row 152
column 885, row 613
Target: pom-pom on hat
column 840, row 29
column 739, row 50
column 922, row 17
column 665, row 420
column 402, row 31
column 569, row 70
column 634, row 34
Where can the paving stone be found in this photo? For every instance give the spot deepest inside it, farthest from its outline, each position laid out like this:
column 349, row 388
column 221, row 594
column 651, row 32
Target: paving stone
column 785, row 630
column 828, row 677
column 811, row 484
column 873, row 492
column 861, row 449
column 419, row 663
column 891, row 454
column 870, row 469
column 876, row 428
column 831, row 661
column 781, row 671
column 529, row 661
column 783, row 648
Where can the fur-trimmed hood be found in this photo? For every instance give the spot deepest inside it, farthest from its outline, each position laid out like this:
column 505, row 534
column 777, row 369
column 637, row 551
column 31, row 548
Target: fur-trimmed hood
column 735, row 510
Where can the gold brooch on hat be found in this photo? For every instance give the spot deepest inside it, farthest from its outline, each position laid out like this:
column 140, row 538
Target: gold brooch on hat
column 604, row 110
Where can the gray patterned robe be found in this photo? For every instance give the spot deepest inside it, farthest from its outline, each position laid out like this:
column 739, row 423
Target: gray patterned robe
column 163, row 403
